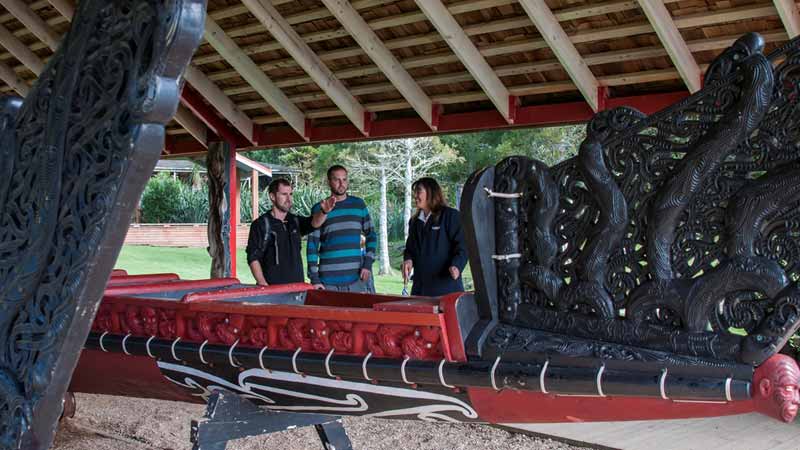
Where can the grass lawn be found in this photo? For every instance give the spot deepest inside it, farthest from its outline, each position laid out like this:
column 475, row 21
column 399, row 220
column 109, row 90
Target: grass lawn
column 194, row 263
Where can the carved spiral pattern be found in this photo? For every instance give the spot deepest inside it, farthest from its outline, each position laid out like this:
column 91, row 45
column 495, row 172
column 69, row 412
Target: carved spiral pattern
column 76, row 153
column 710, row 219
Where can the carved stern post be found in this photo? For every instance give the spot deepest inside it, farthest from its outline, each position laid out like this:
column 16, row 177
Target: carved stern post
column 669, row 244
column 74, row 158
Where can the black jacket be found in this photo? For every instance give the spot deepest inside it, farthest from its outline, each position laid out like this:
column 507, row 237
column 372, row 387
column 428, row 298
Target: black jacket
column 277, row 248
column 434, row 246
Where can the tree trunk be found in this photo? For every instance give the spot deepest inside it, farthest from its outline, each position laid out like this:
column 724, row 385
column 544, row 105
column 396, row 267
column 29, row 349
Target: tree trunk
column 409, row 180
column 385, row 267
column 218, row 210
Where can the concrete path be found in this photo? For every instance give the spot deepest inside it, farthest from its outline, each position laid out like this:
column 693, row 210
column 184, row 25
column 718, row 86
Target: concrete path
column 742, row 432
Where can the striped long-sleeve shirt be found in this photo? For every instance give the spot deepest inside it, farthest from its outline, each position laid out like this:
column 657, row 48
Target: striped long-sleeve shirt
column 334, row 250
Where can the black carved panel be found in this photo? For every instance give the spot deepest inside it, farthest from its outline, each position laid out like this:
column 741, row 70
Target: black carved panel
column 676, row 232
column 76, row 155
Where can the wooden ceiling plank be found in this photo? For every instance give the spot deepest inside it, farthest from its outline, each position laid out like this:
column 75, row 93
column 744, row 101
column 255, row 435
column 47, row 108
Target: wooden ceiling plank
column 20, row 51
column 383, row 58
column 11, row 78
column 32, row 22
column 216, row 98
column 192, row 124
column 565, row 51
column 283, row 32
column 223, row 44
column 790, row 16
column 469, row 55
column 661, row 20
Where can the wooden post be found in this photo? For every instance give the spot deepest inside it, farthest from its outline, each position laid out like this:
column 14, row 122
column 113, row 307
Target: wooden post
column 254, row 195
column 221, row 210
column 234, row 219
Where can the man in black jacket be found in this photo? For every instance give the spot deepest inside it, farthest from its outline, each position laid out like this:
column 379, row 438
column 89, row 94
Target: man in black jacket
column 273, row 246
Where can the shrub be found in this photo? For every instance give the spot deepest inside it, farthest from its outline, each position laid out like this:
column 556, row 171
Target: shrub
column 161, row 200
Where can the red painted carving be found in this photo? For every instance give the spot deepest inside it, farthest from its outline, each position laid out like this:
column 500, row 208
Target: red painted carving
column 775, row 388
column 279, row 333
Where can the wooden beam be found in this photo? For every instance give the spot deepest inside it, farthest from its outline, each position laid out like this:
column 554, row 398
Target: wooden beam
column 309, row 61
column 192, row 124
column 565, row 51
column 20, row 51
column 11, row 78
column 383, row 58
column 32, row 22
column 254, row 195
column 468, row 54
column 65, row 7
column 255, row 77
column 661, row 20
column 220, row 102
column 790, row 16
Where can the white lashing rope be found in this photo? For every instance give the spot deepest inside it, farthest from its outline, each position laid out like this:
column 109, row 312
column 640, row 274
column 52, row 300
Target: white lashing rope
column 600, row 381
column 728, row 389
column 541, row 377
column 364, row 366
column 261, row 359
column 147, row 346
column 328, row 364
column 203, row 360
column 491, row 374
column 441, row 376
column 662, row 384
column 506, row 257
column 294, row 360
column 403, row 370
column 492, row 193
column 230, row 354
column 173, row 348
column 103, row 347
column 124, row 347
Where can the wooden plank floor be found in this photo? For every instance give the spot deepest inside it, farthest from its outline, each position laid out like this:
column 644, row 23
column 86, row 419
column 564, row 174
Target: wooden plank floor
column 742, row 432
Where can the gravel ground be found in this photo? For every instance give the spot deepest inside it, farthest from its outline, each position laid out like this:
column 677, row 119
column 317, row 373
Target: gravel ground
column 118, row 423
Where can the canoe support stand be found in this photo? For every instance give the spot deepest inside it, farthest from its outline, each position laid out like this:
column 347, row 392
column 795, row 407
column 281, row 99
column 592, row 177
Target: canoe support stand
column 230, row 416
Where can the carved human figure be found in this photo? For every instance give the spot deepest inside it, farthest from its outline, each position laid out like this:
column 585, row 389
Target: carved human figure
column 775, row 388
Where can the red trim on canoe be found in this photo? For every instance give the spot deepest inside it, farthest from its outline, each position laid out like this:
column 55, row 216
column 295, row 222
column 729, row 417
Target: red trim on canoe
column 509, row 406
column 166, row 286
column 128, row 280
column 130, row 376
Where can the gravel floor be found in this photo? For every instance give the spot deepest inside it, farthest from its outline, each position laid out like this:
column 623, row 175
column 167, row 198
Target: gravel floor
column 117, row 423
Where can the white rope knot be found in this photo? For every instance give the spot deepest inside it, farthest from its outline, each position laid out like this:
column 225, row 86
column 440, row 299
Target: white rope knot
column 491, row 193
column 507, row 257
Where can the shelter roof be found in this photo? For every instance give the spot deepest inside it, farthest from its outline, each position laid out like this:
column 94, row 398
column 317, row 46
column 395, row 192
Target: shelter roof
column 274, row 73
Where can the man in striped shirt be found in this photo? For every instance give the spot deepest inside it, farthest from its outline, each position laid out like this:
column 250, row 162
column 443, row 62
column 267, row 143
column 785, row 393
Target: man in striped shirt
column 335, row 260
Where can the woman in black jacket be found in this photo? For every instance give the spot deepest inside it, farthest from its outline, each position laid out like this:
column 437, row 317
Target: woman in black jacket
column 435, row 247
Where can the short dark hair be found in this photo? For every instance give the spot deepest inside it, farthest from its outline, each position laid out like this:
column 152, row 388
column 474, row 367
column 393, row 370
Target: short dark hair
column 334, row 168
column 276, row 183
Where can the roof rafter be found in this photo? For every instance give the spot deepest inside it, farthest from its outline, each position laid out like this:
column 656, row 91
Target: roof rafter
column 11, row 78
column 790, row 16
column 565, row 51
column 383, row 58
column 192, row 125
column 661, row 20
column 255, row 77
column 469, row 55
column 32, row 22
column 65, row 7
column 283, row 32
column 20, row 51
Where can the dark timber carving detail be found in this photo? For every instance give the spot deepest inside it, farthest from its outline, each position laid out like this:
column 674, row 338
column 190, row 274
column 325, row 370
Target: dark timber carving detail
column 74, row 157
column 670, row 238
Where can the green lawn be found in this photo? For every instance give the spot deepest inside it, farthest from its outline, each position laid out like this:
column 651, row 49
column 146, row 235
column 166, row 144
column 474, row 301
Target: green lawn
column 194, row 263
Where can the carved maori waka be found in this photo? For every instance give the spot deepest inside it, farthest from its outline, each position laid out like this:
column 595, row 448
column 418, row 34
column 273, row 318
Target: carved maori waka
column 669, row 237
column 74, row 157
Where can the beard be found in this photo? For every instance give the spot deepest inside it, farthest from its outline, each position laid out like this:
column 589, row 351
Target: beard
column 284, row 208
column 338, row 191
